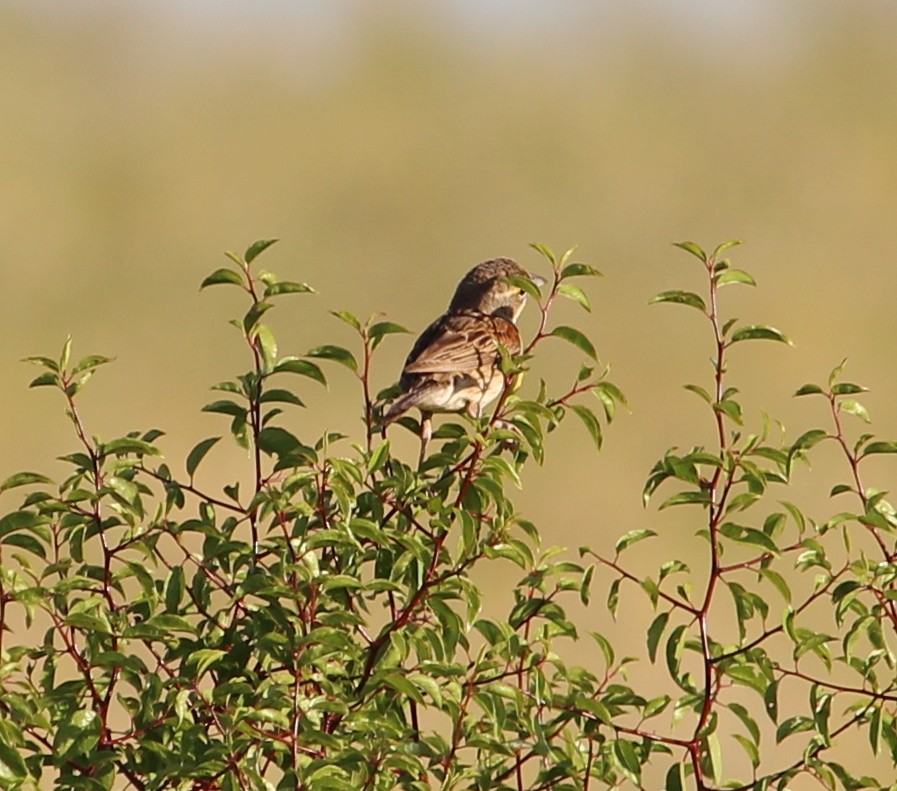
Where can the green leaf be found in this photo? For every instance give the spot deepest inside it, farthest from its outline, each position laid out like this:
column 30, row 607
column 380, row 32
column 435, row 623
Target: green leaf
column 686, row 498
column 199, row 453
column 90, row 362
column 545, row 251
column 585, row 585
column 26, row 542
column 836, row 372
column 23, row 479
column 526, row 285
column 66, row 354
column 778, row 582
column 293, row 365
column 225, row 407
column 44, row 362
column 607, row 393
column 12, row 766
column 848, row 388
column 715, row 753
column 402, row 685
column 277, row 441
column 335, row 353
column 204, row 658
column 256, row 249
column 674, row 648
column 692, row 248
column 655, row 632
column 222, row 276
column 349, row 318
column 771, row 701
column 759, row 332
column 875, row 730
column 574, row 292
column 676, row 777
column 856, row 409
column 793, row 725
column 700, row 391
column 723, row 246
column 625, row 754
column 124, row 488
column 809, row 389
column 174, row 590
column 578, row 339
column 749, row 535
column 45, row 380
column 731, row 409
column 594, row 707
column 383, row 328
column 734, row 276
column 590, row 421
column 632, row 537
column 880, row 447
column 579, row 270
column 280, row 396
column 808, row 439
column 253, row 317
column 287, row 287
column 341, row 581
column 656, row 706
column 747, row 720
column 267, row 345
column 681, row 298
column 129, row 445
column 83, row 620
column 613, row 598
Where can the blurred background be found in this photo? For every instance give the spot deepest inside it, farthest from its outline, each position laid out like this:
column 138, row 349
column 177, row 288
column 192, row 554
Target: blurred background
column 392, row 145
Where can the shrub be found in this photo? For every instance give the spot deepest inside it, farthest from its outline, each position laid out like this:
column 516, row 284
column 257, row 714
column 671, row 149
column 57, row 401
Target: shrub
column 322, row 629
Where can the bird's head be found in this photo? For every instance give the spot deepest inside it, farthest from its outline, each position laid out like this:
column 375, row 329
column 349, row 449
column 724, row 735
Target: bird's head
column 487, row 288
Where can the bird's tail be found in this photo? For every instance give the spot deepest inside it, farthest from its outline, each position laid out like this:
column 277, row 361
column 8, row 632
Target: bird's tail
column 399, row 407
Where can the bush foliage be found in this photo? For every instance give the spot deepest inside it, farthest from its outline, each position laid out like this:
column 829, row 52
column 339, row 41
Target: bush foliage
column 319, row 628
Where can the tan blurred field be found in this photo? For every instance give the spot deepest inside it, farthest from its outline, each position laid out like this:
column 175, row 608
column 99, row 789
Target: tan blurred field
column 390, row 146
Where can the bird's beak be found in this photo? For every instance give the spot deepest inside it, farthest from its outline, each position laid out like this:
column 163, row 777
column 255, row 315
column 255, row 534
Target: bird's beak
column 538, row 280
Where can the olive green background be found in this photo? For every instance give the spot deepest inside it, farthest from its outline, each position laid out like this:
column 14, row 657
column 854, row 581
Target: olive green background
column 391, row 146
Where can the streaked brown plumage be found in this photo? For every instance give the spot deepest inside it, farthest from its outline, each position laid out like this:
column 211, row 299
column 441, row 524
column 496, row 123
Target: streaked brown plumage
column 455, row 364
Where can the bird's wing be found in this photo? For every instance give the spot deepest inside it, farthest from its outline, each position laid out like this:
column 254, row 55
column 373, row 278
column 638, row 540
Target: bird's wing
column 461, row 344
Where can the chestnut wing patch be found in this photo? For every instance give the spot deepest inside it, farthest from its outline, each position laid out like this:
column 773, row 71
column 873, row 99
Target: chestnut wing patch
column 462, row 343
column 454, row 352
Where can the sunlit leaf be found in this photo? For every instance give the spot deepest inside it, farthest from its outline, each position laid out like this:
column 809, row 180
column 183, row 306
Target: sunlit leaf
column 723, row 246
column 579, row 270
column 574, row 292
column 198, row 453
column 335, row 353
column 759, row 332
column 680, row 297
column 632, row 537
column 256, row 249
column 855, row 408
column 692, row 248
column 577, row 338
column 293, row 365
column 735, row 276
column 655, row 632
column 590, row 421
column 222, row 276
column 23, row 479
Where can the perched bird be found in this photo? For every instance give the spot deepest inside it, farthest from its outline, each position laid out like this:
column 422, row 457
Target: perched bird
column 455, row 365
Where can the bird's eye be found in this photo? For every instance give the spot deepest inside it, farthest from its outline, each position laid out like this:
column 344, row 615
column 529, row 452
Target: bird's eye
column 521, row 292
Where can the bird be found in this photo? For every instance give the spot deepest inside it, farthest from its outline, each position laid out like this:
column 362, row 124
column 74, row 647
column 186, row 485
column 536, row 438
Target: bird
column 455, row 364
